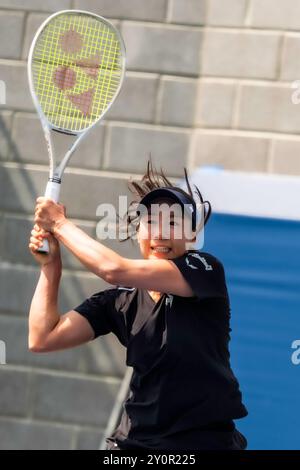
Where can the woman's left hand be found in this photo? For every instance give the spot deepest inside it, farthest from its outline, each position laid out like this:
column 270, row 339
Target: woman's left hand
column 49, row 214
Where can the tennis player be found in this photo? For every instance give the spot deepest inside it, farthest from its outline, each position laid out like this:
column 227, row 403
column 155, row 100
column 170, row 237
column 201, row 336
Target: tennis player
column 170, row 310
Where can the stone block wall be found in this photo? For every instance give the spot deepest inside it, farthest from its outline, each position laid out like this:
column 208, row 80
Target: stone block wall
column 208, row 82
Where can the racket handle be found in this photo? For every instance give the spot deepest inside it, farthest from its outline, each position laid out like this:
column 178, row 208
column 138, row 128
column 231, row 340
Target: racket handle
column 44, row 248
column 52, row 191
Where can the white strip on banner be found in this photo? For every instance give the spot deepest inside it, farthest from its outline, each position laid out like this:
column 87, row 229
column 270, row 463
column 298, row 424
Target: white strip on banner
column 251, row 194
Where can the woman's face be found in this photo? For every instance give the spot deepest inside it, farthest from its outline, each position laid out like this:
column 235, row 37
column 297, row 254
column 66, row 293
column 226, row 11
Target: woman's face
column 161, row 233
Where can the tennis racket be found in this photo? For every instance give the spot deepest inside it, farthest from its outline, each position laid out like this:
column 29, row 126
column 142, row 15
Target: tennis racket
column 76, row 67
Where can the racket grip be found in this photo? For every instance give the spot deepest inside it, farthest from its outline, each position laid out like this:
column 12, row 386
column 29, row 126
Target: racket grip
column 52, row 191
column 44, row 248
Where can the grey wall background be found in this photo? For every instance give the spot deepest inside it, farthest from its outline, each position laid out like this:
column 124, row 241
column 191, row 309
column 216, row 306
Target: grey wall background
column 208, row 82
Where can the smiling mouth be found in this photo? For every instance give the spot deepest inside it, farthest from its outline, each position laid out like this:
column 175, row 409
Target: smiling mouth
column 160, row 249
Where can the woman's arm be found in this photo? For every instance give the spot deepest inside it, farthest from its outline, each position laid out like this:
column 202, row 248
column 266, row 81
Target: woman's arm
column 43, row 314
column 157, row 275
column 48, row 331
column 96, row 257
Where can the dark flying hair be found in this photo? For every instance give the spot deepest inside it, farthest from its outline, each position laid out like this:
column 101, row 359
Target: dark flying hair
column 153, row 179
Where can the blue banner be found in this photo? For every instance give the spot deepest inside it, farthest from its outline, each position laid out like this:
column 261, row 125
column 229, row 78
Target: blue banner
column 261, row 258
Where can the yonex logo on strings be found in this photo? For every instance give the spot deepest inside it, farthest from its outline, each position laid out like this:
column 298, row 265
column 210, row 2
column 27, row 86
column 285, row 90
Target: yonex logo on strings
column 65, row 78
column 2, row 92
column 2, row 353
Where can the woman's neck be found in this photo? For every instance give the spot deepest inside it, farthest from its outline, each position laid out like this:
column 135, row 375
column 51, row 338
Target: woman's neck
column 155, row 295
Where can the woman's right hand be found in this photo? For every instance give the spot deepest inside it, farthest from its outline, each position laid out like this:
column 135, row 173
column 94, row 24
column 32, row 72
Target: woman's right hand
column 36, row 241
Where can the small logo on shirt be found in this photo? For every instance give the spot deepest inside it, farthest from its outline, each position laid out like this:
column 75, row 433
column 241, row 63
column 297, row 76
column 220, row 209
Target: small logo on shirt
column 126, row 288
column 207, row 266
column 169, row 300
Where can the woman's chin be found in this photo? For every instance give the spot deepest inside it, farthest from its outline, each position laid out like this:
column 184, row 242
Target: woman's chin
column 157, row 255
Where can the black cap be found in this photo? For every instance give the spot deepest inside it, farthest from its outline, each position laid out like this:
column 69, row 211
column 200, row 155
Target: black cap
column 172, row 193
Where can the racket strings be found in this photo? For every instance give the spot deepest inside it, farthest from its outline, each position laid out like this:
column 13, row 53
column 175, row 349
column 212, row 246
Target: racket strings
column 77, row 70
